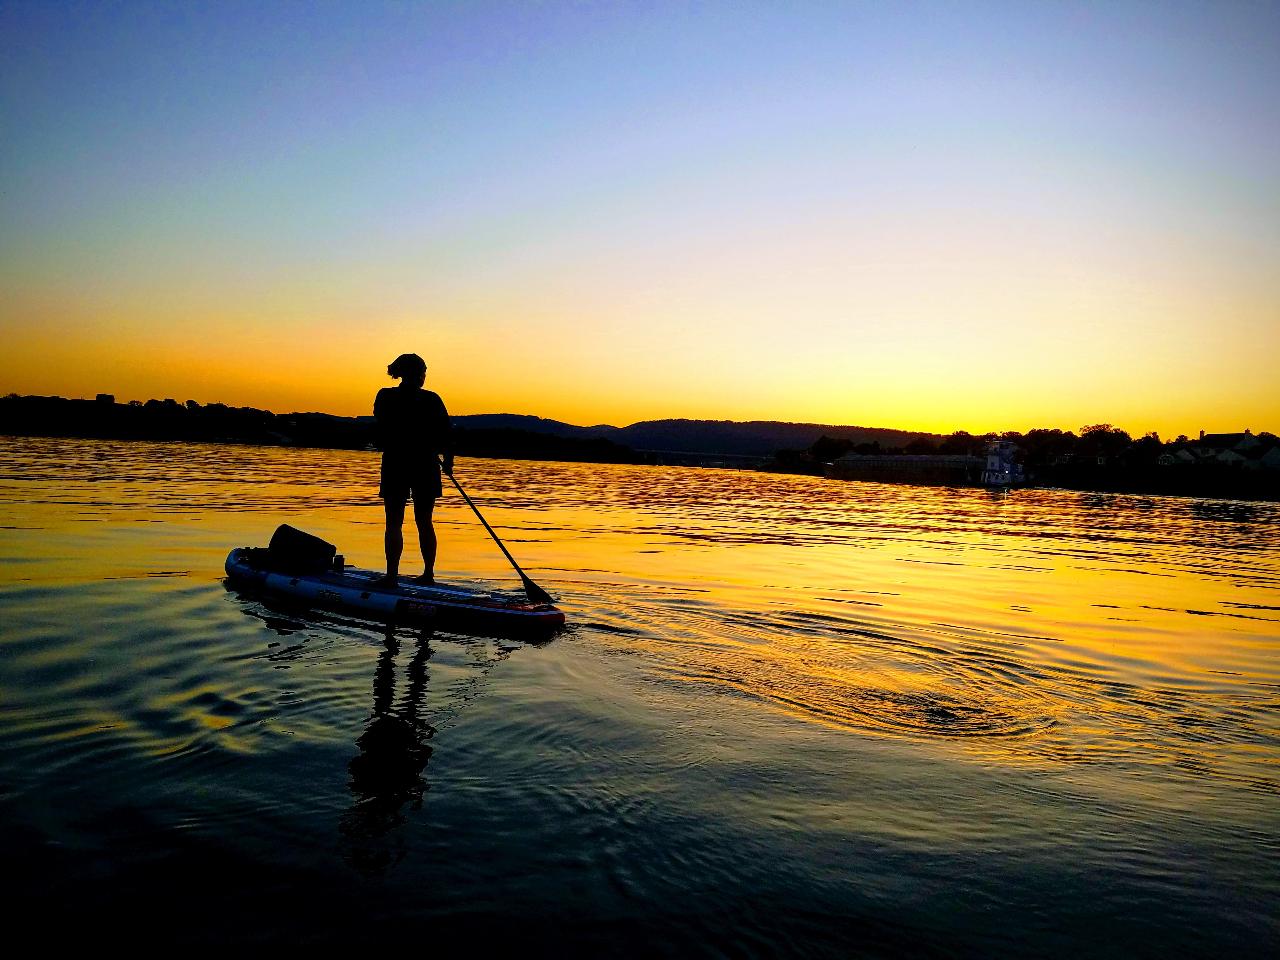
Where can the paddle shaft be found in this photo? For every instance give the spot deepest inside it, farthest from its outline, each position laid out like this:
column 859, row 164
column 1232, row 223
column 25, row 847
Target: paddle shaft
column 531, row 589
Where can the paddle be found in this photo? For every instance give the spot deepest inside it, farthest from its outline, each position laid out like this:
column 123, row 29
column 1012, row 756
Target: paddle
column 531, row 589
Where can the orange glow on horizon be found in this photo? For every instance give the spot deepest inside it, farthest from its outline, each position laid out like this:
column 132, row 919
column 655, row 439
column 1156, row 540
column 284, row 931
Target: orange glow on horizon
column 280, row 374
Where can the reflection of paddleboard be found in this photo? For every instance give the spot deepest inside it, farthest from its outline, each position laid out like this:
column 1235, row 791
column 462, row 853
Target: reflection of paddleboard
column 355, row 590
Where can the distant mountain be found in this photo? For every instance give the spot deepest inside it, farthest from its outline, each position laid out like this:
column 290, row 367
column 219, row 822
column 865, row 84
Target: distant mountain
column 519, row 421
column 755, row 437
column 490, row 434
column 751, row 438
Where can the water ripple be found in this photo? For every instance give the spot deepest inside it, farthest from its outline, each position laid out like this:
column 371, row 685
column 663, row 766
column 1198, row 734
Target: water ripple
column 901, row 683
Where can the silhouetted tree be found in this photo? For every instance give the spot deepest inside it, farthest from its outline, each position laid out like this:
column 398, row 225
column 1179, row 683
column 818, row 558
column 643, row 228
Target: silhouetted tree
column 1103, row 440
column 1145, row 451
column 962, row 442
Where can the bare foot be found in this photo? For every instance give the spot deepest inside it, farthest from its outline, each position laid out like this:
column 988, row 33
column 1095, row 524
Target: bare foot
column 387, row 580
column 426, row 580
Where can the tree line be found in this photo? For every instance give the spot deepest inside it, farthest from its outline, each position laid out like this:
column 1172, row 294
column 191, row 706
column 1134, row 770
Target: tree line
column 1099, row 457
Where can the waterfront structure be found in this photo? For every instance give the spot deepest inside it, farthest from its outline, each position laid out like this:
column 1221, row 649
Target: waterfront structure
column 1239, row 442
column 998, row 468
column 1245, row 450
column 1002, row 469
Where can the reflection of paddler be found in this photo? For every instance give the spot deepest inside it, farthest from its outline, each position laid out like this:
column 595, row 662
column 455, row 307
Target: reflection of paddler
column 387, row 772
column 413, row 431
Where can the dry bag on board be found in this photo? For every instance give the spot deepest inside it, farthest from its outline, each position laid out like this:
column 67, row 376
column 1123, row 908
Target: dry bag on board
column 294, row 551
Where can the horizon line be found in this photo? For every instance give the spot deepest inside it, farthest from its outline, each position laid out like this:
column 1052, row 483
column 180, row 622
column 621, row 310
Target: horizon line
column 814, row 423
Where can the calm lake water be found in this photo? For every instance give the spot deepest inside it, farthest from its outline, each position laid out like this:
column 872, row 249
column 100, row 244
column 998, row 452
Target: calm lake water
column 788, row 716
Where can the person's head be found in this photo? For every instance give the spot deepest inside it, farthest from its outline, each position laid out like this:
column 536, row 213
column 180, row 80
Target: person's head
column 409, row 368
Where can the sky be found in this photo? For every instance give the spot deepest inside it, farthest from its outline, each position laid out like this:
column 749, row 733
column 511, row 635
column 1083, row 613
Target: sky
column 930, row 216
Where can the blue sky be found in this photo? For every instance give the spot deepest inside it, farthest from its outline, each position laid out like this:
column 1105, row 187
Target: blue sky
column 643, row 180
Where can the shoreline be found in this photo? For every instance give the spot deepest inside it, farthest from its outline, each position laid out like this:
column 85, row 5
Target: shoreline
column 1118, row 487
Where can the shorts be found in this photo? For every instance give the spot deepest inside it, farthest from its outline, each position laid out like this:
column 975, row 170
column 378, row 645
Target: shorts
column 400, row 480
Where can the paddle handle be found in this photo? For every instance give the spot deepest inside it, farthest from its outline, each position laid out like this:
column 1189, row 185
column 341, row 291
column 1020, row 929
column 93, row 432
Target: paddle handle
column 531, row 589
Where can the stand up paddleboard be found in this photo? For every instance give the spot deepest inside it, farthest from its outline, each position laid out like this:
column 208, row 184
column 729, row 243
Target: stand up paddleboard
column 305, row 569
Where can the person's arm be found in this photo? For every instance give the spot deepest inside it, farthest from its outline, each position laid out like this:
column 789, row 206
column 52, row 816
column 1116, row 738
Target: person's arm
column 444, row 433
column 379, row 420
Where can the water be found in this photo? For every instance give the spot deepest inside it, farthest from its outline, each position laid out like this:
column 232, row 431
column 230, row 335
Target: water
column 789, row 715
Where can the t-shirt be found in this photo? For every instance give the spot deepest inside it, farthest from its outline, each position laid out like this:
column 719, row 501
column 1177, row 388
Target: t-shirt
column 412, row 424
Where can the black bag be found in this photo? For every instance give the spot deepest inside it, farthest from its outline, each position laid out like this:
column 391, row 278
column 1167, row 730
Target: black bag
column 293, row 551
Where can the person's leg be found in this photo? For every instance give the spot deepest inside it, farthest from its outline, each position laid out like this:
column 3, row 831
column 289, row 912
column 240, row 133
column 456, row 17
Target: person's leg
column 393, row 540
column 422, row 510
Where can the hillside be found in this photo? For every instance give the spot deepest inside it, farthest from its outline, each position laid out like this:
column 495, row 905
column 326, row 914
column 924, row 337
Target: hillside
column 750, row 438
column 491, row 433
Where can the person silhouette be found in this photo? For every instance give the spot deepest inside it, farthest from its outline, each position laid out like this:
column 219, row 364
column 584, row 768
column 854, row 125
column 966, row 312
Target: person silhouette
column 413, row 430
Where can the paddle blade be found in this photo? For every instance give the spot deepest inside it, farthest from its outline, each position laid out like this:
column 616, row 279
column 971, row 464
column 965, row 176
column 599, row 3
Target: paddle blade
column 534, row 592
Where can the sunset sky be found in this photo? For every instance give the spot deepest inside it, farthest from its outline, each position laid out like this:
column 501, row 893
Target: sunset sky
column 926, row 216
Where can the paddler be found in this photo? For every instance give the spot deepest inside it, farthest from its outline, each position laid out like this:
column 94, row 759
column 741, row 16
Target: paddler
column 413, row 431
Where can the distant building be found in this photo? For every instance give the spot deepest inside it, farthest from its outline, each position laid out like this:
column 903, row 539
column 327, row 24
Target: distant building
column 997, row 469
column 1239, row 442
column 1002, row 468
column 105, row 398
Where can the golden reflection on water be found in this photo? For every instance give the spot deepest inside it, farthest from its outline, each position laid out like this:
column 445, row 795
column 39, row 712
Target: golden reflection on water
column 1031, row 627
